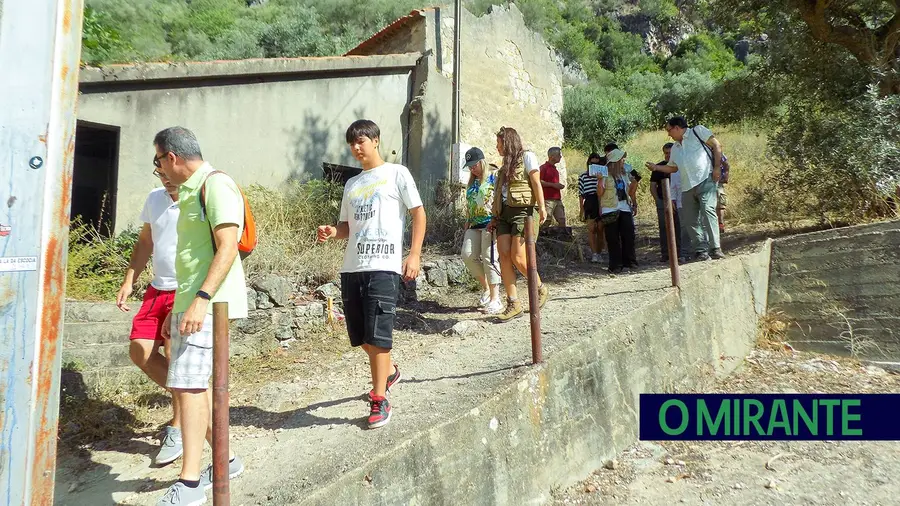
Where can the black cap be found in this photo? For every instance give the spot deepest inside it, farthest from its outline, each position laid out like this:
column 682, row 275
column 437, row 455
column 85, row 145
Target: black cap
column 473, row 156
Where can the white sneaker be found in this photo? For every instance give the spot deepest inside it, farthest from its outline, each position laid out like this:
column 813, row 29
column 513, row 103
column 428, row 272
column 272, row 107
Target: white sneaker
column 495, row 307
column 484, row 300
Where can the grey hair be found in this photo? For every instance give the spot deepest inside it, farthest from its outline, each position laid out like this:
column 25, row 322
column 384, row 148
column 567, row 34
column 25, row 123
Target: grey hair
column 554, row 151
column 180, row 141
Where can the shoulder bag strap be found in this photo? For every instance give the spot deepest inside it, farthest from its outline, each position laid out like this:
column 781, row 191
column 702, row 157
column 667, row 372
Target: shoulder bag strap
column 212, row 235
column 705, row 147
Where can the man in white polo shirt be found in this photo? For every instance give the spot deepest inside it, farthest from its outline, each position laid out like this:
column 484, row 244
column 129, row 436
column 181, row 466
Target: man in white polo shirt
column 158, row 238
column 697, row 157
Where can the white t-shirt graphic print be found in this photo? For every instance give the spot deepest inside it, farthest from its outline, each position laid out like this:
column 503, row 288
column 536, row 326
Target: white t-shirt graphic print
column 374, row 205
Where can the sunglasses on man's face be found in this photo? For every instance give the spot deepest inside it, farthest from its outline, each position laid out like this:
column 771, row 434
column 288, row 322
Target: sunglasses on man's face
column 157, row 160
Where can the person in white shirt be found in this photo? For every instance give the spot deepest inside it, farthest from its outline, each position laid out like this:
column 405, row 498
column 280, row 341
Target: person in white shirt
column 158, row 238
column 697, row 157
column 373, row 213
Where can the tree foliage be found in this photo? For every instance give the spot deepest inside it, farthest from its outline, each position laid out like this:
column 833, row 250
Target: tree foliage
column 834, row 108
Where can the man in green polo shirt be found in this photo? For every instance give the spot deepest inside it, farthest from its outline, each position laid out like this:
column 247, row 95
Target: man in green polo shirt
column 205, row 272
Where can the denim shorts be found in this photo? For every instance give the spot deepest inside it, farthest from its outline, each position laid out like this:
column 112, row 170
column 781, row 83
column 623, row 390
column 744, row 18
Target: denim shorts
column 370, row 306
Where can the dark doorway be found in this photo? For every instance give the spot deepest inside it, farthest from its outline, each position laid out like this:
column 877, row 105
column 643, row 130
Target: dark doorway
column 95, row 177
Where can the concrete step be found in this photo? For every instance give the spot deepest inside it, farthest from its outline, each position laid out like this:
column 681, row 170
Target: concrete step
column 78, row 334
column 96, row 357
column 77, row 311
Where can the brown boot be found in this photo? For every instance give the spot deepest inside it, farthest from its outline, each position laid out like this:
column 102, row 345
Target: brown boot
column 544, row 295
column 513, row 309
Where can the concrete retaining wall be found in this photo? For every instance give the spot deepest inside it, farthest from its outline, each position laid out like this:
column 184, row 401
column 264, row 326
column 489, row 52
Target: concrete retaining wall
column 837, row 282
column 559, row 422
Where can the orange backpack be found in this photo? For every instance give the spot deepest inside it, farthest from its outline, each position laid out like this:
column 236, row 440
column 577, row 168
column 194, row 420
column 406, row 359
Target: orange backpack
column 248, row 241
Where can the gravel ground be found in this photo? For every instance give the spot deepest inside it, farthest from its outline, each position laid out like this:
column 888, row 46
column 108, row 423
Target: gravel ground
column 755, row 472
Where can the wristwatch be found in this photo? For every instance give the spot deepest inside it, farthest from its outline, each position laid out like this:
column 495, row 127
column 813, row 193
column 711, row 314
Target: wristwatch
column 204, row 295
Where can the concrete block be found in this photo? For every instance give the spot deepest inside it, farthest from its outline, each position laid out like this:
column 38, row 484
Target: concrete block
column 825, row 281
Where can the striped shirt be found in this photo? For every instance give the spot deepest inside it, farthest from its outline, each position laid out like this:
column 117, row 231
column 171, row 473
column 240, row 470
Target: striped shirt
column 586, row 184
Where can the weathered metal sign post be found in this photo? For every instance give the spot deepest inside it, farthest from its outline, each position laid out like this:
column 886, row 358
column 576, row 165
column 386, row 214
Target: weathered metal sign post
column 40, row 47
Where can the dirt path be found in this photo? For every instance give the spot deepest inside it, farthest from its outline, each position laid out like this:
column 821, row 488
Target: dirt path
column 736, row 473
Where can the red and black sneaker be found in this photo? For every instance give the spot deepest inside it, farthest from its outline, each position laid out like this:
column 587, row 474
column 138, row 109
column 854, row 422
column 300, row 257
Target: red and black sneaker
column 393, row 378
column 380, row 413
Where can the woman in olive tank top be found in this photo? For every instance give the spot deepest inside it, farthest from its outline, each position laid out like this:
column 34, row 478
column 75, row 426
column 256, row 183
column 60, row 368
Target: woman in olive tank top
column 518, row 194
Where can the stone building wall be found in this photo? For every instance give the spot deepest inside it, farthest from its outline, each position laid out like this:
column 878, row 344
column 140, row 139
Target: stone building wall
column 509, row 77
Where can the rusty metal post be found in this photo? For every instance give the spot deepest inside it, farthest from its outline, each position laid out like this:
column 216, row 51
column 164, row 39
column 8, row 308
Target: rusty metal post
column 40, row 48
column 534, row 300
column 670, row 234
column 221, row 492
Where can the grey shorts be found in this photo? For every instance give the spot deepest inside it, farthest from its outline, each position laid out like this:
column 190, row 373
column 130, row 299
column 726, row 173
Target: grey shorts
column 190, row 359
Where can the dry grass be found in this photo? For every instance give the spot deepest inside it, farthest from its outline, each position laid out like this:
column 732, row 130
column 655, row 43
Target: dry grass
column 287, row 219
column 773, row 331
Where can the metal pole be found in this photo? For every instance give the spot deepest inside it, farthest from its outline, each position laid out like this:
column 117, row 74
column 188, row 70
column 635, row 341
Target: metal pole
column 40, row 48
column 670, row 235
column 534, row 300
column 221, row 493
column 457, row 20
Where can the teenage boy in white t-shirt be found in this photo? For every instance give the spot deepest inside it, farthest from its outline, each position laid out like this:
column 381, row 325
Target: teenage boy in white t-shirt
column 373, row 211
column 158, row 238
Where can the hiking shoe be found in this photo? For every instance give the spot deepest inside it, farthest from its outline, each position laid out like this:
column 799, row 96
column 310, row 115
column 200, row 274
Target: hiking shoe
column 682, row 260
column 380, row 413
column 171, row 448
column 544, row 294
column 717, row 254
column 180, row 494
column 701, row 257
column 235, row 468
column 484, row 300
column 663, row 259
column 596, row 258
column 494, row 308
column 513, row 309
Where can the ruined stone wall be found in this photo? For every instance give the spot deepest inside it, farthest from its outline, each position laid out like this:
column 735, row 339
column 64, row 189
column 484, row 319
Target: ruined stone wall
column 509, row 77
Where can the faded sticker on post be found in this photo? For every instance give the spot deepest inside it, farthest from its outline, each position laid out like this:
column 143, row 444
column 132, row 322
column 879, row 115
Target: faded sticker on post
column 18, row 264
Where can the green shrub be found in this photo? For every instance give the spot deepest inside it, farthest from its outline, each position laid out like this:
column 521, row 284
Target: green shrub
column 837, row 163
column 594, row 115
column 688, row 94
column 704, row 53
column 96, row 265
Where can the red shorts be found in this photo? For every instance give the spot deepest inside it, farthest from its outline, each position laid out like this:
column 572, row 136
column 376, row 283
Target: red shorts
column 149, row 319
